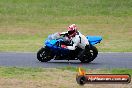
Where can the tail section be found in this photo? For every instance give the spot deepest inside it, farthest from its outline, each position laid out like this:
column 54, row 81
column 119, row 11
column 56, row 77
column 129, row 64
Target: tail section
column 94, row 39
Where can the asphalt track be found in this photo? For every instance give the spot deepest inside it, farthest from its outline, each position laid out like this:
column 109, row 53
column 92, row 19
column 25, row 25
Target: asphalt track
column 104, row 60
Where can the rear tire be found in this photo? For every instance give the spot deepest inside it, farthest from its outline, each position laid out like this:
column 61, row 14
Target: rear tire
column 87, row 58
column 44, row 55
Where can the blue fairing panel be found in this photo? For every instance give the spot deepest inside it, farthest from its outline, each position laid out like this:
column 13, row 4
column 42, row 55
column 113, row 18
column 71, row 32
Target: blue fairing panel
column 94, row 39
column 52, row 45
column 50, row 42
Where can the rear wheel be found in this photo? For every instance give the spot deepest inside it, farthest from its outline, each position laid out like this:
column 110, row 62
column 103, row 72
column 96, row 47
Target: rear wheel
column 88, row 57
column 44, row 55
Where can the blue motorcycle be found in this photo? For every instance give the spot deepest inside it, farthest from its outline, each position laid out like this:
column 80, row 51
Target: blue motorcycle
column 52, row 50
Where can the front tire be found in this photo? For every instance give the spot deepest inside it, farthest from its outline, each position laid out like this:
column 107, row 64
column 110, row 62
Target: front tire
column 44, row 55
column 87, row 58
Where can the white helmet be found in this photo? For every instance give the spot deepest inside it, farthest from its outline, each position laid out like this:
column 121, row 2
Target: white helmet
column 72, row 30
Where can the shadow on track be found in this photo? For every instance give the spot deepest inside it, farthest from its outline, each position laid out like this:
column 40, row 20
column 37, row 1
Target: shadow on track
column 70, row 63
column 75, row 63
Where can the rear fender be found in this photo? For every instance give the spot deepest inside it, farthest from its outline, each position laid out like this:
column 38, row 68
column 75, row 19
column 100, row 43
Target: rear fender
column 94, row 39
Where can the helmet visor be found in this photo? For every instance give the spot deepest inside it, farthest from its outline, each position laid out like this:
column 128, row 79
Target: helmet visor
column 71, row 32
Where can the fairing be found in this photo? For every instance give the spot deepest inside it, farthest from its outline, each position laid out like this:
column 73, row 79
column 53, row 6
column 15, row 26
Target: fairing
column 94, row 39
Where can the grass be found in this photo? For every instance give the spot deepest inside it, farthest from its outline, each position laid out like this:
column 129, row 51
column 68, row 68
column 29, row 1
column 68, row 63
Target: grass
column 10, row 72
column 122, row 71
column 51, row 77
column 24, row 24
column 114, row 71
column 20, row 72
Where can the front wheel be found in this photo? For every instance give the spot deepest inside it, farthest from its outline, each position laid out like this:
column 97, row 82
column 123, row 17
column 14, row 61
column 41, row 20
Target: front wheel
column 88, row 57
column 44, row 55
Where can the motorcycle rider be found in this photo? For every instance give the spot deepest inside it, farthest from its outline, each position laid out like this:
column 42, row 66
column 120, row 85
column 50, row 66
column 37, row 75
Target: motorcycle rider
column 77, row 39
column 72, row 35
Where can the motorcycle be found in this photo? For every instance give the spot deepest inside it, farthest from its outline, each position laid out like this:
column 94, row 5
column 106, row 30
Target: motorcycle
column 52, row 50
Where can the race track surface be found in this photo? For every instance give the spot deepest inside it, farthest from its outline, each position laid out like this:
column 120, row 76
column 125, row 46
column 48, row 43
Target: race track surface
column 104, row 60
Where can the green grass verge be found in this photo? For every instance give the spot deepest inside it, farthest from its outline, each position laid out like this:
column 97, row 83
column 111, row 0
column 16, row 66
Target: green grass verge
column 18, row 72
column 114, row 71
column 122, row 71
column 24, row 24
column 35, row 77
column 52, row 77
column 13, row 72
